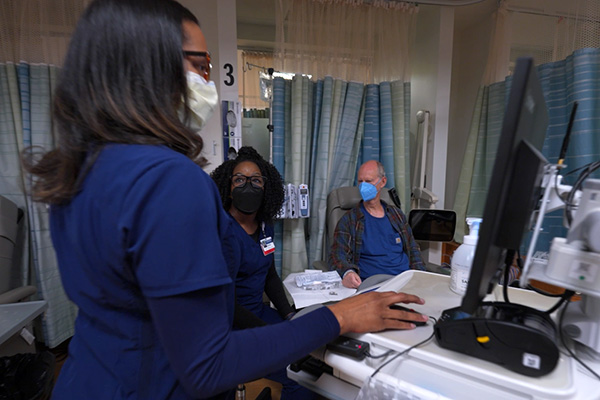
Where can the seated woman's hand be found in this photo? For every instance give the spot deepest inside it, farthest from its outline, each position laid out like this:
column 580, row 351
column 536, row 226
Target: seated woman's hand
column 370, row 312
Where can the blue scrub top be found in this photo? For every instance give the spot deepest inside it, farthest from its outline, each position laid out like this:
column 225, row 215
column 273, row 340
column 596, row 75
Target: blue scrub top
column 252, row 274
column 137, row 229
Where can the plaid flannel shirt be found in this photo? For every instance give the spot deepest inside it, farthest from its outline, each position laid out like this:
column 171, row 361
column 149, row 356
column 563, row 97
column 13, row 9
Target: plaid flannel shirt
column 347, row 239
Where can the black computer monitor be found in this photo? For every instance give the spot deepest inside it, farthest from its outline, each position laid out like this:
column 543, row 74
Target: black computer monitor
column 515, row 184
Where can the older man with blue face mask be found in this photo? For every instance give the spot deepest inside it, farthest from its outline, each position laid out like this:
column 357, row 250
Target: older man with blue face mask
column 374, row 237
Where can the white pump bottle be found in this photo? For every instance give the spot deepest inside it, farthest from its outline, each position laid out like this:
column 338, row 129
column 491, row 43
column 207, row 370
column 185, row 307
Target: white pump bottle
column 462, row 259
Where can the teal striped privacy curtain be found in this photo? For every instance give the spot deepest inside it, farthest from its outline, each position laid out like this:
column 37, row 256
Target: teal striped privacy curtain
column 34, row 37
column 25, row 99
column 323, row 131
column 574, row 79
column 387, row 111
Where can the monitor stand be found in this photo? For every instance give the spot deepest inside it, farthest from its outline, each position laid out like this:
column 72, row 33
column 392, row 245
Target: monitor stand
column 520, row 338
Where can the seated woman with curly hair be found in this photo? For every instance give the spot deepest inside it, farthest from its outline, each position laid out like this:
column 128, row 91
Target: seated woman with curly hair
column 252, row 192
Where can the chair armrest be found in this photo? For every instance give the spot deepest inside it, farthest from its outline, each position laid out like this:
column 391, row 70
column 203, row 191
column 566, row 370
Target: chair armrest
column 320, row 264
column 17, row 294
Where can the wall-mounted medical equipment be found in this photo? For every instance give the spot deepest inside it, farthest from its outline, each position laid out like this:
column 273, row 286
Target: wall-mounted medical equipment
column 231, row 114
column 296, row 203
column 303, row 203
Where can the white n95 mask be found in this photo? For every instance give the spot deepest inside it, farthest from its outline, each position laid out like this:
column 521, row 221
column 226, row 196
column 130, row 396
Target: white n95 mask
column 203, row 99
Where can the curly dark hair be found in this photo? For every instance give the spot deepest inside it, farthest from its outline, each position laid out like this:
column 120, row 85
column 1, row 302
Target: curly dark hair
column 273, row 199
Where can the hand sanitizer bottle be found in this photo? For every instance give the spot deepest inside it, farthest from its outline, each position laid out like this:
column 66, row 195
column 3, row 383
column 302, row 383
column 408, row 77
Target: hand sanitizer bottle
column 462, row 259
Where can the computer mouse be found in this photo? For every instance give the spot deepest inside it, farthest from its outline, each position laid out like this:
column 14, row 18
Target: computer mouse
column 402, row 308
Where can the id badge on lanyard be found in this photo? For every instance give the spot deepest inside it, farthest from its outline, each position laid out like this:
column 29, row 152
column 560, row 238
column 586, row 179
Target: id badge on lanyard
column 267, row 244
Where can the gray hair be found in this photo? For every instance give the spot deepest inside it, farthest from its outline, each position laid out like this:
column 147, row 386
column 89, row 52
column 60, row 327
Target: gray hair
column 380, row 169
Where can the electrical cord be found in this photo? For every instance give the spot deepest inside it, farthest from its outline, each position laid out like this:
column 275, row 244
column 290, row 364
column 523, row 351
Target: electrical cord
column 387, row 353
column 403, row 352
column 566, row 296
column 543, row 292
column 510, row 255
column 564, row 343
column 576, row 170
column 564, row 176
column 569, row 205
column 519, row 260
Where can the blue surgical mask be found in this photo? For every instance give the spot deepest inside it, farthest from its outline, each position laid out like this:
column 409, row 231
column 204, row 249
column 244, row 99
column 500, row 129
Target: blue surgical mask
column 368, row 191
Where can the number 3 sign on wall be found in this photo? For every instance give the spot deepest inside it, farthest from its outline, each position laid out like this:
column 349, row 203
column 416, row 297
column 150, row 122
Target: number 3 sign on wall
column 230, row 80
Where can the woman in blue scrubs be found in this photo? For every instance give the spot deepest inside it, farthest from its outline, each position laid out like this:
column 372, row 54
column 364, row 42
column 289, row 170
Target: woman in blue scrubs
column 252, row 191
column 138, row 227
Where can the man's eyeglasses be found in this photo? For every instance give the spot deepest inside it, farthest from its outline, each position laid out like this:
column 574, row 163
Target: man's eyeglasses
column 204, row 66
column 239, row 180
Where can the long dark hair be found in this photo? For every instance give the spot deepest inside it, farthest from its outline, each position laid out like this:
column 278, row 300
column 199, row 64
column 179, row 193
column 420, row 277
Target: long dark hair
column 122, row 81
column 273, row 199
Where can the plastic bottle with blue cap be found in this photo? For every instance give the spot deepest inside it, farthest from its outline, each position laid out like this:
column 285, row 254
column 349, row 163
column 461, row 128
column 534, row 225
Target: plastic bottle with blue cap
column 462, row 259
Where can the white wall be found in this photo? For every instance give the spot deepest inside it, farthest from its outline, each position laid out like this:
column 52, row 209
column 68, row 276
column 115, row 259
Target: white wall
column 424, row 66
column 430, row 90
column 471, row 46
column 218, row 23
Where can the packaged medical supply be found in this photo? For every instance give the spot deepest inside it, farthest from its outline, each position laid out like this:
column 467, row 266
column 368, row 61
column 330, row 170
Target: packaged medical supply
column 318, row 280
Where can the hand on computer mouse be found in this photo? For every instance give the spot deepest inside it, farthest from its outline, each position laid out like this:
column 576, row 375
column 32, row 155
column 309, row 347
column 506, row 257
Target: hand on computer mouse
column 370, row 312
column 420, row 320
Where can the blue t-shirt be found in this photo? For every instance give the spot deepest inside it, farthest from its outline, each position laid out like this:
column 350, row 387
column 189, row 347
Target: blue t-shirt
column 142, row 252
column 382, row 251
